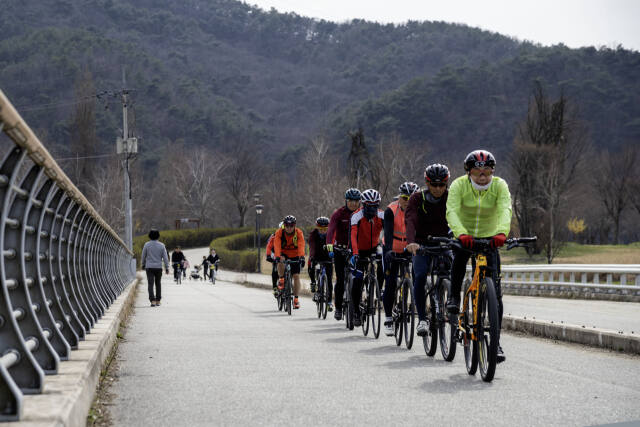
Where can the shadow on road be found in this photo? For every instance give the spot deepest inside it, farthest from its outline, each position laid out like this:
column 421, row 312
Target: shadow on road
column 384, row 349
column 456, row 382
column 416, row 362
column 347, row 339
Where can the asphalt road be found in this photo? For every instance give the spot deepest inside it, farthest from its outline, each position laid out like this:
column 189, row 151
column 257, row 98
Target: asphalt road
column 223, row 355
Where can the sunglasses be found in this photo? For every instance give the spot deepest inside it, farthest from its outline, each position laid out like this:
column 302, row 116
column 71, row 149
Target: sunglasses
column 404, row 197
column 485, row 169
column 437, row 184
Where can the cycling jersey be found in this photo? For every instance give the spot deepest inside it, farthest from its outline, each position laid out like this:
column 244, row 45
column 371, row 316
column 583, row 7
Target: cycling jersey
column 395, row 236
column 289, row 245
column 339, row 225
column 177, row 257
column 479, row 213
column 269, row 249
column 364, row 232
column 425, row 218
column 316, row 245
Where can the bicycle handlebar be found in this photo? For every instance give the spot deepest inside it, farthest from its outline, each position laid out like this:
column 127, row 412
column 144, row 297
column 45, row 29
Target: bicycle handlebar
column 480, row 245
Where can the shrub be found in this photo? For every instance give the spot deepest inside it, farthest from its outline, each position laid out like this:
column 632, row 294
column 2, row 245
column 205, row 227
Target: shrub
column 236, row 251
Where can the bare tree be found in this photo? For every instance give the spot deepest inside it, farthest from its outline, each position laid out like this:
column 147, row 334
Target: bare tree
column 615, row 174
column 548, row 154
column 83, row 131
column 197, row 179
column 243, row 178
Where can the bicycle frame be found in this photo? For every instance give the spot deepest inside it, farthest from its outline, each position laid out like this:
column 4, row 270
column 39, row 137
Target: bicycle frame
column 473, row 292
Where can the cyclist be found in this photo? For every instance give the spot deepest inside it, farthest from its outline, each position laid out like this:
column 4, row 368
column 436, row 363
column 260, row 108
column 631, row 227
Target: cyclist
column 395, row 241
column 338, row 234
column 426, row 216
column 185, row 267
column 289, row 244
column 318, row 252
column 271, row 258
column 176, row 261
column 478, row 206
column 366, row 225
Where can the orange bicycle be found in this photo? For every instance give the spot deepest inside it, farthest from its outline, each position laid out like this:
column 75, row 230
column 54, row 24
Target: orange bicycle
column 478, row 321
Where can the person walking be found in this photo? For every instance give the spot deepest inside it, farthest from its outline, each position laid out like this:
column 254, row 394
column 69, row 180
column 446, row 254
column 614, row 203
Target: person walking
column 153, row 254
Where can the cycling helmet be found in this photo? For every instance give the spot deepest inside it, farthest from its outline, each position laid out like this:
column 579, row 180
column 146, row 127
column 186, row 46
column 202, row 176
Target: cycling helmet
column 478, row 159
column 408, row 188
column 289, row 219
column 436, row 174
column 371, row 197
column 322, row 221
column 352, row 194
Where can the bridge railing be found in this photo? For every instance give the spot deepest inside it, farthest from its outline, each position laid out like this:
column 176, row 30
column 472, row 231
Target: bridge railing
column 61, row 265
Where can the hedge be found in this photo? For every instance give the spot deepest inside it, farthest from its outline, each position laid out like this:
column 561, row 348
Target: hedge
column 191, row 238
column 236, row 251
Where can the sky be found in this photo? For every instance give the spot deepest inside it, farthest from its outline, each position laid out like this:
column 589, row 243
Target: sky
column 575, row 23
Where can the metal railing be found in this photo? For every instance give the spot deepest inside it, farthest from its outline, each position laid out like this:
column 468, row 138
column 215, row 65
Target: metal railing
column 61, row 265
column 613, row 276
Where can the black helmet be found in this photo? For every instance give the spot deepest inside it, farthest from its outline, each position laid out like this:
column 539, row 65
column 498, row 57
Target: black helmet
column 352, row 194
column 289, row 219
column 408, row 188
column 478, row 159
column 371, row 197
column 322, row 221
column 436, row 174
column 154, row 234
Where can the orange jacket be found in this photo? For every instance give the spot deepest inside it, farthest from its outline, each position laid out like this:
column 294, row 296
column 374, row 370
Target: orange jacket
column 270, row 245
column 289, row 245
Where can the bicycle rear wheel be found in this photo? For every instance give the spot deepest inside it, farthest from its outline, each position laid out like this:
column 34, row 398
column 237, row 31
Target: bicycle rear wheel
column 488, row 330
column 398, row 320
column 376, row 314
column 470, row 346
column 447, row 328
column 408, row 312
column 430, row 341
column 280, row 301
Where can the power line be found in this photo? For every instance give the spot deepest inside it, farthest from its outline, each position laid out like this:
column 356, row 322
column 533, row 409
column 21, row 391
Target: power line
column 100, row 156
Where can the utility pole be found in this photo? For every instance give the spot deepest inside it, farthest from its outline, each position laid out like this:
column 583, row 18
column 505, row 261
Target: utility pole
column 128, row 147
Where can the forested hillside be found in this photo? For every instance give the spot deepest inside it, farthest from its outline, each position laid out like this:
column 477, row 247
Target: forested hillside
column 228, row 100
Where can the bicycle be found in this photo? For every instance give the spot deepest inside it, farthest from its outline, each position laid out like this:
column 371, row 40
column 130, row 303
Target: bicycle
column 370, row 299
column 404, row 308
column 285, row 296
column 478, row 321
column 177, row 273
column 322, row 296
column 439, row 324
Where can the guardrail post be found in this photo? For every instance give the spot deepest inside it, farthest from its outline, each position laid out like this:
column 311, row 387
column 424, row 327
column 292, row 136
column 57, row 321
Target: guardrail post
column 623, row 279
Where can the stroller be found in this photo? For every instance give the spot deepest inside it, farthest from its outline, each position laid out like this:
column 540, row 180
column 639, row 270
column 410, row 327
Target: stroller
column 195, row 273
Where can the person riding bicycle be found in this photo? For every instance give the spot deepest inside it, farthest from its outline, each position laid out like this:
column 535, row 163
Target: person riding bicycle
column 366, row 225
column 426, row 216
column 271, row 258
column 339, row 234
column 289, row 244
column 478, row 206
column 177, row 257
column 317, row 253
column 395, row 241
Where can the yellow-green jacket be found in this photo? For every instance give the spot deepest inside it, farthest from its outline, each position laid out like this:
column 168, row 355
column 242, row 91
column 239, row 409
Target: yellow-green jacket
column 476, row 214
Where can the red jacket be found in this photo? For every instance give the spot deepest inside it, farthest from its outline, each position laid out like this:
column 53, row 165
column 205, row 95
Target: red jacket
column 365, row 233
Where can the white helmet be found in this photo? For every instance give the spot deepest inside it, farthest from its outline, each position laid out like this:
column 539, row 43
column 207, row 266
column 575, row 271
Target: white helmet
column 370, row 197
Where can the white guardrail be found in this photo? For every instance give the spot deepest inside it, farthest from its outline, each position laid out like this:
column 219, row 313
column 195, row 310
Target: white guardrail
column 618, row 276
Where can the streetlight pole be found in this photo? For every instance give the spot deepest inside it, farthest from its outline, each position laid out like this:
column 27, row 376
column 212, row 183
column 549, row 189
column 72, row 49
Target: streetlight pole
column 259, row 209
column 256, row 201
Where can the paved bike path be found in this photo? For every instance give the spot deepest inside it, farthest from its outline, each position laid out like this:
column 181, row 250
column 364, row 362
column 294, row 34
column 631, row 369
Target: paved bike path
column 223, row 355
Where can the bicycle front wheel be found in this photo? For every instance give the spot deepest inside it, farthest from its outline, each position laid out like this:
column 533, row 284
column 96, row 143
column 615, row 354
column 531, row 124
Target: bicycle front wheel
column 408, row 312
column 364, row 305
column 316, row 297
column 470, row 345
column 430, row 340
column 447, row 326
column 398, row 320
column 324, row 294
column 375, row 302
column 488, row 331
